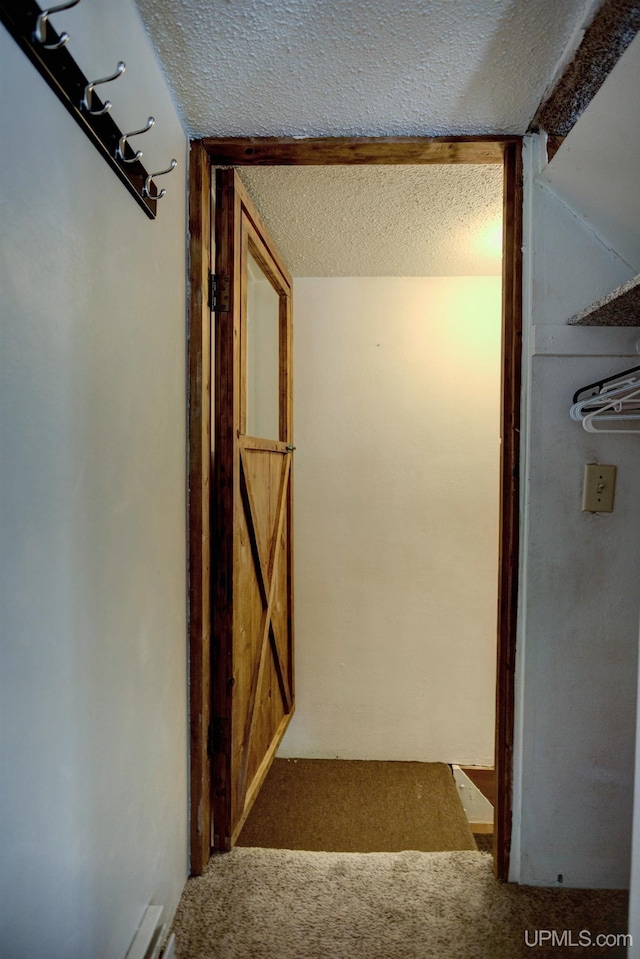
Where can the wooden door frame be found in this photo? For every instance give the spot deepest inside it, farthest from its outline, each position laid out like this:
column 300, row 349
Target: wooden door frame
column 199, row 505
column 275, row 151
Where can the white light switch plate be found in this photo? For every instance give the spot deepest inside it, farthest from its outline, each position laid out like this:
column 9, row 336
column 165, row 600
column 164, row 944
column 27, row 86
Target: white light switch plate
column 599, row 488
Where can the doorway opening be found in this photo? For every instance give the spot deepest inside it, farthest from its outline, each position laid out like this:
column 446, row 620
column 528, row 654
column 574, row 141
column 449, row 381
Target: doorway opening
column 506, row 152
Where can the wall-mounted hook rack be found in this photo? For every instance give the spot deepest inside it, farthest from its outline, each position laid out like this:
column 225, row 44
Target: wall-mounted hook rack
column 49, row 52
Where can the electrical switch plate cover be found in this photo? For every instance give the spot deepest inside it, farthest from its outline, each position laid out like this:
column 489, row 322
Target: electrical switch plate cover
column 599, row 488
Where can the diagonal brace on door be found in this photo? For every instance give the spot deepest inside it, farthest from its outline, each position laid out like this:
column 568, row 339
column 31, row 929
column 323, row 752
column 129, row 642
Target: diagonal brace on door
column 266, row 576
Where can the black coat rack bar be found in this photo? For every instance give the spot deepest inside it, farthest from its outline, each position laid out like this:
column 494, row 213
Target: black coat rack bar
column 68, row 82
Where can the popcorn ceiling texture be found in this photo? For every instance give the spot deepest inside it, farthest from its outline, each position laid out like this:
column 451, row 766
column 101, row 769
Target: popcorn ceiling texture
column 363, row 67
column 612, row 30
column 619, row 308
column 381, row 221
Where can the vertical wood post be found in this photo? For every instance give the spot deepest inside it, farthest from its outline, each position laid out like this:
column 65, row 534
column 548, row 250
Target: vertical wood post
column 199, row 510
column 509, row 506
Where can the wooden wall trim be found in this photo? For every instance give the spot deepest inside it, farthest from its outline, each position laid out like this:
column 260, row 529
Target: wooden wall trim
column 226, row 493
column 509, row 508
column 289, row 151
column 199, row 509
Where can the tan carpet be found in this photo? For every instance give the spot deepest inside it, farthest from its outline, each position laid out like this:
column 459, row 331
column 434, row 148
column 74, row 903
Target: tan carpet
column 356, row 806
column 282, row 904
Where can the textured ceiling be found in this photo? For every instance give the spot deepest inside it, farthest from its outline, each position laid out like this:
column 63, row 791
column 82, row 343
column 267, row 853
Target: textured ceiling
column 362, row 67
column 382, row 220
column 368, row 68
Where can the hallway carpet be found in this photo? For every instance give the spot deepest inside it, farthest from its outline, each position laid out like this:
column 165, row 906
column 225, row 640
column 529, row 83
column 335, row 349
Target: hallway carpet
column 331, row 805
column 282, row 904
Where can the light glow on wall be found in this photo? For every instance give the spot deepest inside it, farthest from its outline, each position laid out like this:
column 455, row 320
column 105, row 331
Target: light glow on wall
column 490, row 239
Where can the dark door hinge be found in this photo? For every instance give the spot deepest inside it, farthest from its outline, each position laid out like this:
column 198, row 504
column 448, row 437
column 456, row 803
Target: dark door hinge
column 219, row 293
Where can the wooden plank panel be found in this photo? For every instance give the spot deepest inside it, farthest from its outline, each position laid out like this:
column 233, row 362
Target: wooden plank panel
column 280, row 620
column 268, row 715
column 263, row 472
column 248, row 649
column 509, row 506
column 199, row 534
column 259, row 543
column 257, row 443
column 289, row 151
column 275, row 487
column 259, row 777
column 279, row 601
column 273, row 702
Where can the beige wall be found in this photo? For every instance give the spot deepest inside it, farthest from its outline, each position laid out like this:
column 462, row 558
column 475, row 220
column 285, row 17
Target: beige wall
column 397, row 389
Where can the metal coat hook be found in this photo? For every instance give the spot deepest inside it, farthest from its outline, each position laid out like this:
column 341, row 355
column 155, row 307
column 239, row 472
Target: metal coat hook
column 88, row 90
column 123, row 140
column 146, row 189
column 40, row 32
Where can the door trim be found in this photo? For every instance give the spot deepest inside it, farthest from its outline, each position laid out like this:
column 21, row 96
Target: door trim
column 290, row 151
column 366, row 150
column 509, row 535
column 199, row 505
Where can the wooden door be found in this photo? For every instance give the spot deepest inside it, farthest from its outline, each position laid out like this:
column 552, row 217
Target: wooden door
column 252, row 655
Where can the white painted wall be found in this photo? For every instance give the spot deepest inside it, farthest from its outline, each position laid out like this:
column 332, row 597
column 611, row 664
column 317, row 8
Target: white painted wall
column 577, row 656
column 92, row 510
column 571, row 267
column 397, row 384
column 634, row 896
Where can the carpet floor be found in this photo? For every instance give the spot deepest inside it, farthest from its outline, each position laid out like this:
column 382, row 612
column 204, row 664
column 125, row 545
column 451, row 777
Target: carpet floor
column 284, row 904
column 356, row 806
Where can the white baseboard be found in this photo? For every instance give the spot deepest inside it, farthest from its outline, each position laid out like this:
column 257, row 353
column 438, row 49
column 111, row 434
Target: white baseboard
column 150, row 937
column 170, row 948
